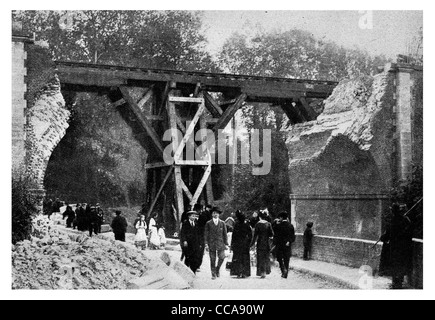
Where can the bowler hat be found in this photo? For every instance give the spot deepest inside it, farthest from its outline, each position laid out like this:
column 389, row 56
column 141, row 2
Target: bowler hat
column 216, row 209
column 189, row 213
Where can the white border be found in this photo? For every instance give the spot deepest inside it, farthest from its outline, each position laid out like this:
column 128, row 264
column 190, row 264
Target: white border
column 5, row 280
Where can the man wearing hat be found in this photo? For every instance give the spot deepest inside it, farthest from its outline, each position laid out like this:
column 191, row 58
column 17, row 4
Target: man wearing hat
column 119, row 226
column 216, row 239
column 190, row 242
column 284, row 236
column 204, row 216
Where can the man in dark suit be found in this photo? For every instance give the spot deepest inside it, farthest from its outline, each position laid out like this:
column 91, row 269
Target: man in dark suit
column 119, row 226
column 204, row 217
column 190, row 241
column 284, row 236
column 215, row 237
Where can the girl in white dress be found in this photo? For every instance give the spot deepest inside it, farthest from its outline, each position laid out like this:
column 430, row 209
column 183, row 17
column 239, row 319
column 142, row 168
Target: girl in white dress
column 162, row 237
column 141, row 240
column 154, row 233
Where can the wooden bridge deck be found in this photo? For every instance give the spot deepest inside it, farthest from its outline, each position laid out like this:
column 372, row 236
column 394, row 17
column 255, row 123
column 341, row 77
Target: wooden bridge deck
column 258, row 89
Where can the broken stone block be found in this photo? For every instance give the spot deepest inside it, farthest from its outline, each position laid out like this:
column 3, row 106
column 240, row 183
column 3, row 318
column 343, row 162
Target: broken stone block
column 166, row 258
column 184, row 272
column 161, row 279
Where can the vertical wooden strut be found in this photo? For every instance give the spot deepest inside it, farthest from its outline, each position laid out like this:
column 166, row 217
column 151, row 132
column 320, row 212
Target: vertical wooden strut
column 177, row 168
column 209, row 183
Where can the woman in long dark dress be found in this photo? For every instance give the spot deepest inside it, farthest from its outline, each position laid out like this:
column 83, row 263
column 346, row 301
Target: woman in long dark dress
column 240, row 245
column 262, row 234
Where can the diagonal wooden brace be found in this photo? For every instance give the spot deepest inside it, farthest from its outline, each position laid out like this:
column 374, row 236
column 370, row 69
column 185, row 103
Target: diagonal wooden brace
column 142, row 119
column 201, row 186
column 189, row 131
column 229, row 113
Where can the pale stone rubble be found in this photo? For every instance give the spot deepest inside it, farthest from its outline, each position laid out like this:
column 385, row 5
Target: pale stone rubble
column 56, row 258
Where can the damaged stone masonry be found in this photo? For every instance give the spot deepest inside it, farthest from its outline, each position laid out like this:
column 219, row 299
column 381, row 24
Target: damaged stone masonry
column 343, row 165
column 37, row 96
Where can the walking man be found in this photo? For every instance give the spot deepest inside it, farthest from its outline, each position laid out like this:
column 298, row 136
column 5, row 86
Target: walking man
column 284, row 237
column 204, row 217
column 216, row 239
column 189, row 238
column 119, row 226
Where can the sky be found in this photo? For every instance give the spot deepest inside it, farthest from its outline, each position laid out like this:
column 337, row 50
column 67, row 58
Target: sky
column 387, row 32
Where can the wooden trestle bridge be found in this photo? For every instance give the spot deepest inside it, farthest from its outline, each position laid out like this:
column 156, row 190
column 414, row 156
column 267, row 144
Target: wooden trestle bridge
column 173, row 98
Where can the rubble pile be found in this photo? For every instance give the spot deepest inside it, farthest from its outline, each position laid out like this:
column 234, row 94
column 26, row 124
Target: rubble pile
column 54, row 260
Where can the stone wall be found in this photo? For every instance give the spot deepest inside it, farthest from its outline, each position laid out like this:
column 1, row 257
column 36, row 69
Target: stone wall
column 349, row 252
column 39, row 116
column 19, row 104
column 356, row 253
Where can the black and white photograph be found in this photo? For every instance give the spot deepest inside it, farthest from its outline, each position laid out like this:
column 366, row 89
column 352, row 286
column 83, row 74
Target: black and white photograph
column 188, row 150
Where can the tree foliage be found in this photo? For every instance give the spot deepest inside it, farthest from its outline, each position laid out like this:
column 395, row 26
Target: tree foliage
column 294, row 54
column 160, row 39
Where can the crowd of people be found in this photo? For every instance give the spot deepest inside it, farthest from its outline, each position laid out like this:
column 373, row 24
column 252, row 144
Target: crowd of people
column 202, row 229
column 85, row 217
column 258, row 236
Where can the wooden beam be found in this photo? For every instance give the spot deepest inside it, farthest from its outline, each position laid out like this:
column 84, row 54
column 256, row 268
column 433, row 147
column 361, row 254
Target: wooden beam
column 142, row 119
column 229, row 113
column 186, row 190
column 300, row 108
column 180, row 124
column 186, row 99
column 209, row 190
column 155, row 165
column 268, row 87
column 209, row 183
column 192, row 162
column 170, row 106
column 179, row 190
column 146, row 97
column 311, row 113
column 153, row 117
column 169, row 85
column 299, row 112
column 153, row 204
column 293, row 115
column 227, row 102
column 118, row 103
column 197, row 88
column 212, row 106
column 201, row 185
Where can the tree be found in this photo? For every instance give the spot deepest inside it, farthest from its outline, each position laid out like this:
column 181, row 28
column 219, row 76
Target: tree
column 294, row 54
column 159, row 39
